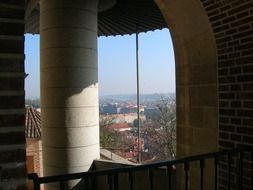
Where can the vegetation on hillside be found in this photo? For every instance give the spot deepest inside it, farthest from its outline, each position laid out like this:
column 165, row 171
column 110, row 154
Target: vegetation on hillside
column 158, row 132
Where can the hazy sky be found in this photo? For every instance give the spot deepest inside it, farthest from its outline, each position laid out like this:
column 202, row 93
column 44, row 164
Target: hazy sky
column 117, row 66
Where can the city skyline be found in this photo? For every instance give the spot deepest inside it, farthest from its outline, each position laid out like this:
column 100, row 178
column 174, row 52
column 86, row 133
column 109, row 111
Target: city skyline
column 117, row 66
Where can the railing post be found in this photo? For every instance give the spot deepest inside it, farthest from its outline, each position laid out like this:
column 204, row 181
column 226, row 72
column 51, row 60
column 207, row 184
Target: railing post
column 113, row 174
column 202, row 166
column 186, row 169
column 109, row 178
column 63, row 185
column 130, row 174
column 168, row 173
column 240, row 170
column 150, row 174
column 216, row 162
column 116, row 182
column 94, row 182
column 251, row 152
column 34, row 177
column 229, row 170
column 87, row 182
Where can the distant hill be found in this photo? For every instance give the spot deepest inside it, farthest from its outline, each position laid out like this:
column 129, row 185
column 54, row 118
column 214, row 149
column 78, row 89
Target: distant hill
column 132, row 97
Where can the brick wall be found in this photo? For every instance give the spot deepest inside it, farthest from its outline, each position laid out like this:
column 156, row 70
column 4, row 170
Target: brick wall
column 12, row 136
column 232, row 22
column 34, row 149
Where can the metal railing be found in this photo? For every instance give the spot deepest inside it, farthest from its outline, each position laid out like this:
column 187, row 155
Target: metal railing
column 234, row 160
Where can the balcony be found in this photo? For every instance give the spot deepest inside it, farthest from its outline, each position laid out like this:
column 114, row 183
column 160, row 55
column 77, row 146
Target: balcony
column 229, row 168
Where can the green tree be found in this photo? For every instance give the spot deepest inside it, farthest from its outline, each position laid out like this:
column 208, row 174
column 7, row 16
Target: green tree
column 106, row 137
column 110, row 138
column 135, row 123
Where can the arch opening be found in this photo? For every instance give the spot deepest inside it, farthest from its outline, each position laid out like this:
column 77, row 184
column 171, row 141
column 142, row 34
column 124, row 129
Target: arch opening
column 196, row 81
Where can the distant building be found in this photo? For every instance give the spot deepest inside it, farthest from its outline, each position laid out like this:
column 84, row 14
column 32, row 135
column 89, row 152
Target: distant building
column 124, row 110
column 131, row 109
column 110, row 109
column 120, row 127
column 125, row 118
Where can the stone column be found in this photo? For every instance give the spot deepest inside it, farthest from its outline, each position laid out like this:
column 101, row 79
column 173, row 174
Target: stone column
column 69, row 85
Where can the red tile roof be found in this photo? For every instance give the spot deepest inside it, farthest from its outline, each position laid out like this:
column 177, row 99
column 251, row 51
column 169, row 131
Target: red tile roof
column 32, row 123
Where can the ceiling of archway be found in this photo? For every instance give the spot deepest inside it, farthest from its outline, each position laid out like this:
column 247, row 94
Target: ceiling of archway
column 123, row 18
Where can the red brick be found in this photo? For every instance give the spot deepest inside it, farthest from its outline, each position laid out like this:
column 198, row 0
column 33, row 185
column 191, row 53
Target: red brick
column 8, row 102
column 248, row 122
column 235, row 104
column 248, row 86
column 223, row 120
column 226, row 144
column 227, row 128
column 13, row 173
column 14, row 46
column 248, row 104
column 218, row 17
column 12, row 65
column 242, row 34
column 12, row 83
column 11, row 13
column 245, row 78
column 13, row 2
column 239, row 9
column 12, row 138
column 242, row 21
column 12, row 156
column 235, row 87
column 223, row 135
column 235, row 137
column 245, row 130
column 245, row 113
column 248, row 139
column 12, row 120
column 236, row 121
column 227, row 79
column 11, row 29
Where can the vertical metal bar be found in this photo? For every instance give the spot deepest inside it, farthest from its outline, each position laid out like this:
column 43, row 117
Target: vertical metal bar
column 202, row 166
column 131, row 180
column 93, row 181
column 241, row 165
column 150, row 174
column 240, row 170
column 116, row 182
column 186, row 169
column 109, row 180
column 168, row 172
column 138, row 94
column 216, row 162
column 36, row 186
column 36, row 181
column 87, row 182
column 130, row 174
column 251, row 169
column 229, row 171
column 62, row 185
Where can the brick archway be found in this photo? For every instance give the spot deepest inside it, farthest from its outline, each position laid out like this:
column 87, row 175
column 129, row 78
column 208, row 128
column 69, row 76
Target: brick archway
column 196, row 81
column 196, row 76
column 213, row 49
